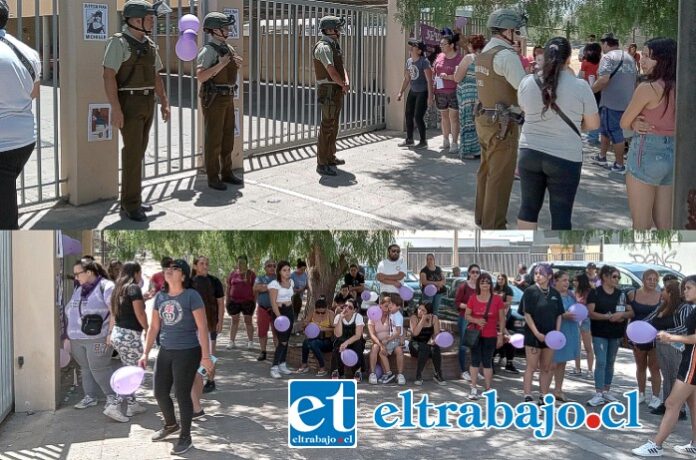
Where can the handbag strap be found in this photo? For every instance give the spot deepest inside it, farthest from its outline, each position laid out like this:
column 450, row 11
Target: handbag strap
column 613, row 72
column 558, row 110
column 21, row 57
column 101, row 289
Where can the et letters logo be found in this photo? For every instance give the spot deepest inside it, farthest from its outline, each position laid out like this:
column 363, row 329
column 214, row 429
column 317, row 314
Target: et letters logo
column 322, row 413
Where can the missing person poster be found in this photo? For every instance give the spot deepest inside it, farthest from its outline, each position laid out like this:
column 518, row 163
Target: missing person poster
column 99, row 123
column 96, row 21
column 233, row 13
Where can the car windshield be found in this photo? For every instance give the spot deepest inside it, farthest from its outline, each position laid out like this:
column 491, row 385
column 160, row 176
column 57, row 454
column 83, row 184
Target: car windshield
column 411, row 277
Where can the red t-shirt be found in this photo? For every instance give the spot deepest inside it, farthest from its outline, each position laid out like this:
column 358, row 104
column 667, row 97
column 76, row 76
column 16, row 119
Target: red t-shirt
column 464, row 291
column 589, row 69
column 478, row 310
column 240, row 288
column 157, row 281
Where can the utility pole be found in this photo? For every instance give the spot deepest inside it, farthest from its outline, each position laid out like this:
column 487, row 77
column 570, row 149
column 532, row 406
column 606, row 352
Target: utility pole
column 455, row 249
column 684, row 208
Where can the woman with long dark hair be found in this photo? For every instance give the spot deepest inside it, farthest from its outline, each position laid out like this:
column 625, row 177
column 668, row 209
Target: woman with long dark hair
column 581, row 289
column 467, row 95
column 281, row 291
column 179, row 314
column 684, row 390
column 419, row 77
column 507, row 351
column 446, row 91
column 557, row 107
column 569, row 328
column 128, row 322
column 323, row 318
column 652, row 114
column 425, row 326
column 464, row 292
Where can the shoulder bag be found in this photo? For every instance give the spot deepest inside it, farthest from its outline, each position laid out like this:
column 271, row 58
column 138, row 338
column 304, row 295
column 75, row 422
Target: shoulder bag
column 471, row 336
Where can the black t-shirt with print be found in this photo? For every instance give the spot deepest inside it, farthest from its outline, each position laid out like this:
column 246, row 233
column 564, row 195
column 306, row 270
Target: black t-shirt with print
column 434, row 275
column 606, row 303
column 354, row 282
column 126, row 314
column 543, row 308
column 341, row 299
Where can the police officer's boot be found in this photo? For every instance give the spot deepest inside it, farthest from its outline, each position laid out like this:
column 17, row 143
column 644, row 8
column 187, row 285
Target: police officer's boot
column 232, row 179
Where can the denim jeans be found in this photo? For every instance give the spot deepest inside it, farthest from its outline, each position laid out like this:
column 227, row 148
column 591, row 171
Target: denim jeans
column 462, row 323
column 435, row 300
column 318, row 347
column 605, row 355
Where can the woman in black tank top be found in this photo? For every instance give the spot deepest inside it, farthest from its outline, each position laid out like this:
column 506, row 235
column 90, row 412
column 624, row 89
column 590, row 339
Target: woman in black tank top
column 424, row 328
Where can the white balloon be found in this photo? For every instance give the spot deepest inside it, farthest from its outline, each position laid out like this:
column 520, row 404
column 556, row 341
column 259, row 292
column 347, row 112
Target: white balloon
column 374, row 296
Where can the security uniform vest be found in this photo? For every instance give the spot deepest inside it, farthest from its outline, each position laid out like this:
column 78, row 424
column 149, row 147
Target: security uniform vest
column 138, row 71
column 228, row 75
column 319, row 69
column 493, row 88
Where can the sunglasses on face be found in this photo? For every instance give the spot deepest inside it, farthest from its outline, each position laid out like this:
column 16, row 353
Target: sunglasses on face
column 395, row 250
column 349, row 306
column 78, row 273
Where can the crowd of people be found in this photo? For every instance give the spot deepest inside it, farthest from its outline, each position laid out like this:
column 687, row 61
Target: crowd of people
column 524, row 117
column 107, row 312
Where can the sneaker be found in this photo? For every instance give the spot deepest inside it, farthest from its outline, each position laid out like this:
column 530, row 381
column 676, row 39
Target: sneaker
column 372, row 379
column 445, row 144
column 418, row 381
column 509, row 367
column 387, row 378
column 438, row 379
column 422, row 145
column 608, row 397
column 322, row 373
column 649, row 449
column 473, row 394
column 134, row 408
column 528, row 398
column 165, row 431
column 654, row 402
column 113, row 411
column 575, row 372
column 400, row 379
column 618, row 169
column 596, row 400
column 682, row 415
column 182, row 446
column 659, row 410
column 598, row 160
column 262, row 356
column 406, row 143
column 284, row 369
column 686, row 449
column 589, row 375
column 275, row 372
column 641, row 398
column 454, row 148
column 358, row 377
column 250, row 344
column 231, row 345
column 209, row 386
column 199, row 414
column 86, row 402
column 465, row 376
column 334, row 375
column 302, row 370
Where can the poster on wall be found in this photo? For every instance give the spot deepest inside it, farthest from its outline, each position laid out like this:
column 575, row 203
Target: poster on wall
column 233, row 14
column 96, row 21
column 99, row 123
column 237, row 131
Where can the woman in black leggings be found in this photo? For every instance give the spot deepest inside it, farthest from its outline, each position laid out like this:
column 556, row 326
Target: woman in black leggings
column 419, row 75
column 179, row 313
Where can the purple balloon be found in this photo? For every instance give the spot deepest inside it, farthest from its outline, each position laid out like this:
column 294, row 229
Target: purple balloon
column 349, row 357
column 365, row 295
column 580, row 311
column 71, row 246
column 555, row 340
column 190, row 34
column 444, row 339
column 374, row 313
column 186, row 49
column 430, row 290
column 126, row 380
column 641, row 332
column 189, row 21
column 517, row 340
column 406, row 293
column 64, row 358
column 378, row 370
column 282, row 323
column 312, row 331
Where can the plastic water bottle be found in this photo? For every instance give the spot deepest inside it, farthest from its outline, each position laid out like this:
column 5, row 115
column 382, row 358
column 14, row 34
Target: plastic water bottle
column 678, row 345
column 621, row 306
column 591, row 79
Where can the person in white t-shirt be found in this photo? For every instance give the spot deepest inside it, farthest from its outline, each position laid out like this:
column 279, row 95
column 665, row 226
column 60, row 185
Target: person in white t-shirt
column 20, row 74
column 397, row 320
column 281, row 291
column 390, row 273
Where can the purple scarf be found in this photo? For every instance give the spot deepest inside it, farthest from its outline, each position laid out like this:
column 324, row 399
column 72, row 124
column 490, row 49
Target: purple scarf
column 87, row 288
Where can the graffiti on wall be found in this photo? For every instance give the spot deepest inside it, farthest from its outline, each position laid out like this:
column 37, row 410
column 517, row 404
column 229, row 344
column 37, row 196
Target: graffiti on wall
column 668, row 259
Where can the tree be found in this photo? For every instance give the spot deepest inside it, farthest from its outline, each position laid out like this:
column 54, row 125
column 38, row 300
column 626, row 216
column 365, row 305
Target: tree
column 327, row 253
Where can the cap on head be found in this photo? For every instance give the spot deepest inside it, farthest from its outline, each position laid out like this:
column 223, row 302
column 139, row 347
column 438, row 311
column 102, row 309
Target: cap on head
column 138, row 9
column 417, row 43
column 591, row 265
column 216, row 20
column 505, row 18
column 183, row 265
column 331, row 22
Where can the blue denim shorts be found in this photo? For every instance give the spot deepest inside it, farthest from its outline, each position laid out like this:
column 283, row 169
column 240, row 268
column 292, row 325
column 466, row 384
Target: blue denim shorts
column 651, row 159
column 610, row 124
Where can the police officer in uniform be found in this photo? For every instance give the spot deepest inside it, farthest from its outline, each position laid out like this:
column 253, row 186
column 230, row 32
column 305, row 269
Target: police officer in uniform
column 332, row 84
column 498, row 74
column 218, row 64
column 131, row 80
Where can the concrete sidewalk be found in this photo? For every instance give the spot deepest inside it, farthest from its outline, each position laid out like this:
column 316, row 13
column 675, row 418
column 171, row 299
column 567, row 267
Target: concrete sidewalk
column 381, row 186
column 247, row 418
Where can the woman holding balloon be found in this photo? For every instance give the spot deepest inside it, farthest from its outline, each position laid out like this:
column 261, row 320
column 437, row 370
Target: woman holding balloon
column 348, row 329
column 645, row 301
column 609, row 315
column 543, row 308
column 318, row 331
column 425, row 326
column 281, row 291
column 684, row 390
column 569, row 328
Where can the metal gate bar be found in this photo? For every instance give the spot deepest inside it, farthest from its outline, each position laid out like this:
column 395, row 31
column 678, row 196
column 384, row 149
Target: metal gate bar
column 6, row 347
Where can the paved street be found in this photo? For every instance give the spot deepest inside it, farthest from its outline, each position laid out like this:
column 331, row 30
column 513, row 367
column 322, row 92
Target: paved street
column 247, row 418
column 381, row 186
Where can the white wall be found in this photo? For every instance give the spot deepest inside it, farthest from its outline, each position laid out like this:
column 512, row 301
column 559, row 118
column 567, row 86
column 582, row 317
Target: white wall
column 680, row 257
